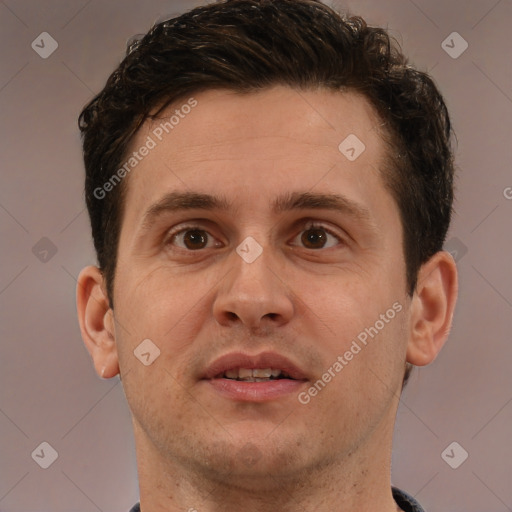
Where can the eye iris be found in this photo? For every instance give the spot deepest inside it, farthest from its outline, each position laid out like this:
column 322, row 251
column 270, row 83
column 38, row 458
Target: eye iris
column 315, row 235
column 194, row 238
column 312, row 238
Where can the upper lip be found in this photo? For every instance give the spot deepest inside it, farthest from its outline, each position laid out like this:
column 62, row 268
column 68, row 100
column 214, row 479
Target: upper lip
column 236, row 360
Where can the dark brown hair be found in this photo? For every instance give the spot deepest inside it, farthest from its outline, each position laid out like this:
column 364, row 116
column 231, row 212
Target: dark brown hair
column 249, row 45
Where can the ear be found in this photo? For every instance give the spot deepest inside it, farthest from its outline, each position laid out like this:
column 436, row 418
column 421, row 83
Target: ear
column 432, row 308
column 96, row 320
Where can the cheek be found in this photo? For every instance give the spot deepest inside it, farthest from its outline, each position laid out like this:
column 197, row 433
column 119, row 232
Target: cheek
column 160, row 305
column 345, row 304
column 364, row 323
column 370, row 370
column 144, row 292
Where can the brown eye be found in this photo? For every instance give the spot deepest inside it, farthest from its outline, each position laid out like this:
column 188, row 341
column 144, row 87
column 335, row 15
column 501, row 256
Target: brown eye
column 195, row 239
column 318, row 237
column 192, row 239
column 314, row 238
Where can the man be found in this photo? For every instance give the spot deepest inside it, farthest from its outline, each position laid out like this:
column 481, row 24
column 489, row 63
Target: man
column 269, row 186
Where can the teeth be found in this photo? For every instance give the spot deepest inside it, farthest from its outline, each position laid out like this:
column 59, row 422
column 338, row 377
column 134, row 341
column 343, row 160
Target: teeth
column 258, row 372
column 253, row 375
column 231, row 374
column 244, row 373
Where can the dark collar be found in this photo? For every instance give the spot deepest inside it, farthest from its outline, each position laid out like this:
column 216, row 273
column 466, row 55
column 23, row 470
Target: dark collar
column 404, row 501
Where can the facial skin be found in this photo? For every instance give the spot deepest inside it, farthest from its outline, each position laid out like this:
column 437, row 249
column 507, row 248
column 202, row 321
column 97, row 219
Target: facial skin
column 307, row 301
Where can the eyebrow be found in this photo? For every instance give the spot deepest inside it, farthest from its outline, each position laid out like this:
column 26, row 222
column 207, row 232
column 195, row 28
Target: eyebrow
column 181, row 201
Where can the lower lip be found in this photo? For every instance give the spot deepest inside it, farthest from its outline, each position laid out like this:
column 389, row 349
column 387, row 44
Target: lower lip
column 256, row 391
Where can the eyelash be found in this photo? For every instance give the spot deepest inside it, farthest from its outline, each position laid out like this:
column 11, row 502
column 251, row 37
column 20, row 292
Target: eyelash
column 311, row 226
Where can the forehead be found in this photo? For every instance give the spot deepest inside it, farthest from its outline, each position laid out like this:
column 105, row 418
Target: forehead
column 274, row 138
column 317, row 116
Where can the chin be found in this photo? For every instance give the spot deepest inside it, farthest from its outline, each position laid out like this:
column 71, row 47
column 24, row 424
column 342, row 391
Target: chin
column 255, row 465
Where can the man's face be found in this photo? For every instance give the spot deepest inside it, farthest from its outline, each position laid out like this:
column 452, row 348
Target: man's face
column 181, row 283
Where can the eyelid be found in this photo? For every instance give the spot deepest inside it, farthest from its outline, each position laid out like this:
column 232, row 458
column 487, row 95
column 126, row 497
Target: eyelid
column 184, row 227
column 314, row 224
column 304, row 225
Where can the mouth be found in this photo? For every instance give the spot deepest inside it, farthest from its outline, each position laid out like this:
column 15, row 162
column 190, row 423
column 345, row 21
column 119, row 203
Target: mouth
column 254, row 374
column 265, row 376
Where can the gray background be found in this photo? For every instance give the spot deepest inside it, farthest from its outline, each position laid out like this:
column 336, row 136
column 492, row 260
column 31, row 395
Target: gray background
column 49, row 391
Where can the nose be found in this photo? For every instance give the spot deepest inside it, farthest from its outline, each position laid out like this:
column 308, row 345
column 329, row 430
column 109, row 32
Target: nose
column 254, row 294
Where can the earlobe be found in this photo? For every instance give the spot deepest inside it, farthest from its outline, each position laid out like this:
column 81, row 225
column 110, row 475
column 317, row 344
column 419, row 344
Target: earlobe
column 432, row 308
column 96, row 322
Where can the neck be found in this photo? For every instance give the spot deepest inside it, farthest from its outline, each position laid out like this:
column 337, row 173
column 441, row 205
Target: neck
column 357, row 481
